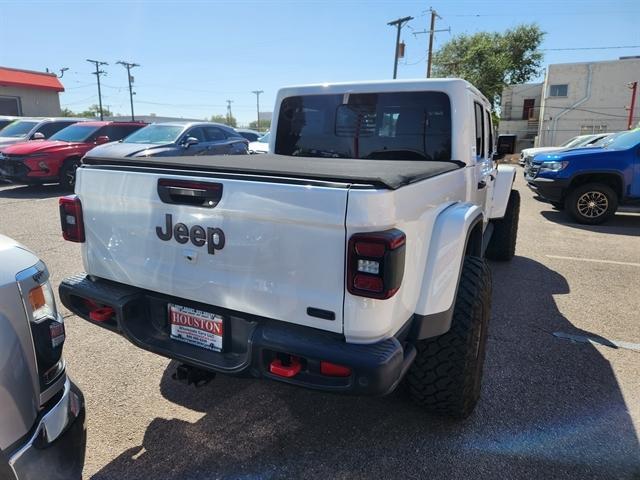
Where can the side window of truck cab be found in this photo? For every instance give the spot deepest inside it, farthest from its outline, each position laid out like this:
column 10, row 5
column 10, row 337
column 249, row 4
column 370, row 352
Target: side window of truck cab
column 490, row 145
column 480, row 131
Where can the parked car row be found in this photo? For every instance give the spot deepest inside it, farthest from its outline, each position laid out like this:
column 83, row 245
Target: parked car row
column 62, row 142
column 25, row 129
column 579, row 141
column 177, row 139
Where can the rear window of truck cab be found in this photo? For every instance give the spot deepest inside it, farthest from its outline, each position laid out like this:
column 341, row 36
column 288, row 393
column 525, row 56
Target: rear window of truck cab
column 377, row 126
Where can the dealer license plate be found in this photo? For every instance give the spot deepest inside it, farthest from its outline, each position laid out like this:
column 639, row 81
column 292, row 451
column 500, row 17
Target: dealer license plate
column 189, row 325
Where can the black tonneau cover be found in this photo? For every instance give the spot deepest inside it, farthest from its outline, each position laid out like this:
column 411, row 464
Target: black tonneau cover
column 390, row 174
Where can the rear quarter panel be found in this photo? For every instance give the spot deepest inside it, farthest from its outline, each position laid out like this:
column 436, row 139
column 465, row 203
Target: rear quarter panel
column 412, row 209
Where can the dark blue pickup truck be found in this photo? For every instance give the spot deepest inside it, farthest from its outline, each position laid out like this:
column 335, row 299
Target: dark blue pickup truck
column 590, row 183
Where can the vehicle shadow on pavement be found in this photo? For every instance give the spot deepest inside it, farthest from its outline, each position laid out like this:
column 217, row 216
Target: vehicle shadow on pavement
column 31, row 191
column 620, row 224
column 549, row 409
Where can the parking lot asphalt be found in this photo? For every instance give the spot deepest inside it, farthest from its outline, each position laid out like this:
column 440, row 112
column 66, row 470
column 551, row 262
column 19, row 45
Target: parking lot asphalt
column 551, row 406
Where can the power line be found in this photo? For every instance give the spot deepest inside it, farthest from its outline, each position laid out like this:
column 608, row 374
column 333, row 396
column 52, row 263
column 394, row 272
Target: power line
column 555, row 14
column 589, row 48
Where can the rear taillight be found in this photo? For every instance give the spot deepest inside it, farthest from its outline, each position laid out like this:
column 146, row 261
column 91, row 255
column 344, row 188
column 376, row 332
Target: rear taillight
column 71, row 219
column 375, row 263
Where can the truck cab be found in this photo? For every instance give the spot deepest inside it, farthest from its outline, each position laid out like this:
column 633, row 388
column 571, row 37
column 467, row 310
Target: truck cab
column 590, row 183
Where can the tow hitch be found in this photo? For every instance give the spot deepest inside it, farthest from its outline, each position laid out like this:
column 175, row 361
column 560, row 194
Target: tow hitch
column 192, row 375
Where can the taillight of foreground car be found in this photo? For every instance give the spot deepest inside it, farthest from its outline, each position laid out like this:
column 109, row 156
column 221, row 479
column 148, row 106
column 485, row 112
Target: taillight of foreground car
column 71, row 218
column 48, row 333
column 375, row 263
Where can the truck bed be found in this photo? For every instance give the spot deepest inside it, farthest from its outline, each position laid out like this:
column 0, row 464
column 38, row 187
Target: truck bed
column 388, row 174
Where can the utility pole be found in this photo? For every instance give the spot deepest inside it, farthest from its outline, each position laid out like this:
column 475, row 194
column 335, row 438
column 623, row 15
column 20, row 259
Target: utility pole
column 431, row 32
column 97, row 73
column 258, row 92
column 129, row 66
column 634, row 89
column 229, row 114
column 399, row 23
column 434, row 14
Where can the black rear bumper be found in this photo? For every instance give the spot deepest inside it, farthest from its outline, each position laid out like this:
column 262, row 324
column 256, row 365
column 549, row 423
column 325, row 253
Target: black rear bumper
column 250, row 343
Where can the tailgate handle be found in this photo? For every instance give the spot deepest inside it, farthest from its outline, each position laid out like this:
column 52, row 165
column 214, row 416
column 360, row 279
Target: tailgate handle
column 184, row 192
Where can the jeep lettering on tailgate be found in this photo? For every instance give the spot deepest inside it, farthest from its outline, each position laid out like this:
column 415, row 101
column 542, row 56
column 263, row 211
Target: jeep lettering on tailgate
column 213, row 237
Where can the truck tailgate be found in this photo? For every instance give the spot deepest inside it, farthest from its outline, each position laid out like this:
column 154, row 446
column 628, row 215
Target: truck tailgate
column 275, row 249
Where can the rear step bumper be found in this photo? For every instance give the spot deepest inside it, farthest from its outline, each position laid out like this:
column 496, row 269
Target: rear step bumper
column 252, row 346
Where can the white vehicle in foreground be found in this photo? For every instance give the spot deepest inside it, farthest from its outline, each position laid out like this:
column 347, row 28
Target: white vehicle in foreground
column 42, row 412
column 580, row 141
column 348, row 261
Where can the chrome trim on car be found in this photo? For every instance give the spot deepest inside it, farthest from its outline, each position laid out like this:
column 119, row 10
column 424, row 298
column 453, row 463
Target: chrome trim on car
column 55, row 387
column 53, row 423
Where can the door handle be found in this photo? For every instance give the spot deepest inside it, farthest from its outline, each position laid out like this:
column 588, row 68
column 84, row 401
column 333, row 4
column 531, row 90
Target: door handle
column 199, row 194
column 482, row 184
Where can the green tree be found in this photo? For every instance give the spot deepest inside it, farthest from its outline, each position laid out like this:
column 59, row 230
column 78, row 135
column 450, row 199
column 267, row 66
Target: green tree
column 263, row 126
column 231, row 121
column 66, row 112
column 491, row 60
column 94, row 111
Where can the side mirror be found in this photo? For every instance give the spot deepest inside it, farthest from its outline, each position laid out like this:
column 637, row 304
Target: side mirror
column 102, row 139
column 189, row 141
column 38, row 136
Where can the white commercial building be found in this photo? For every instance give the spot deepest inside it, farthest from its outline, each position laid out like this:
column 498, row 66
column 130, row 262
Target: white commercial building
column 575, row 99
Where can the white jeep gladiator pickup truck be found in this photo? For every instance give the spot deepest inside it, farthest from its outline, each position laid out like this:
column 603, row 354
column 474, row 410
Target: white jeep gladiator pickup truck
column 348, row 260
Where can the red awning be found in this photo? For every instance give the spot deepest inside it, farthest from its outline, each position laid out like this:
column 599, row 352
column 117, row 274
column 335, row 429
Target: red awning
column 10, row 77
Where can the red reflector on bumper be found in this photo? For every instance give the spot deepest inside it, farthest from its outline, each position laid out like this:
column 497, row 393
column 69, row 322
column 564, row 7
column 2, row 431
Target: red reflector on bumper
column 101, row 314
column 367, row 249
column 332, row 370
column 287, row 371
column 368, row 283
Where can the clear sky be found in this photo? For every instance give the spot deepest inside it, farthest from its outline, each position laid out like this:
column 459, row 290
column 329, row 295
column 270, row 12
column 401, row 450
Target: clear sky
column 194, row 55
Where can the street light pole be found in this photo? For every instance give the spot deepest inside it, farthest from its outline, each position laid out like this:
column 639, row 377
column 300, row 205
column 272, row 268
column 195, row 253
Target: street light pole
column 258, row 92
column 129, row 66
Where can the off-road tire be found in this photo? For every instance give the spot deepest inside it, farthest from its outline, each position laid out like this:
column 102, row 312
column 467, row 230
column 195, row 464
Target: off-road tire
column 68, row 173
column 502, row 245
column 575, row 203
column 446, row 375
